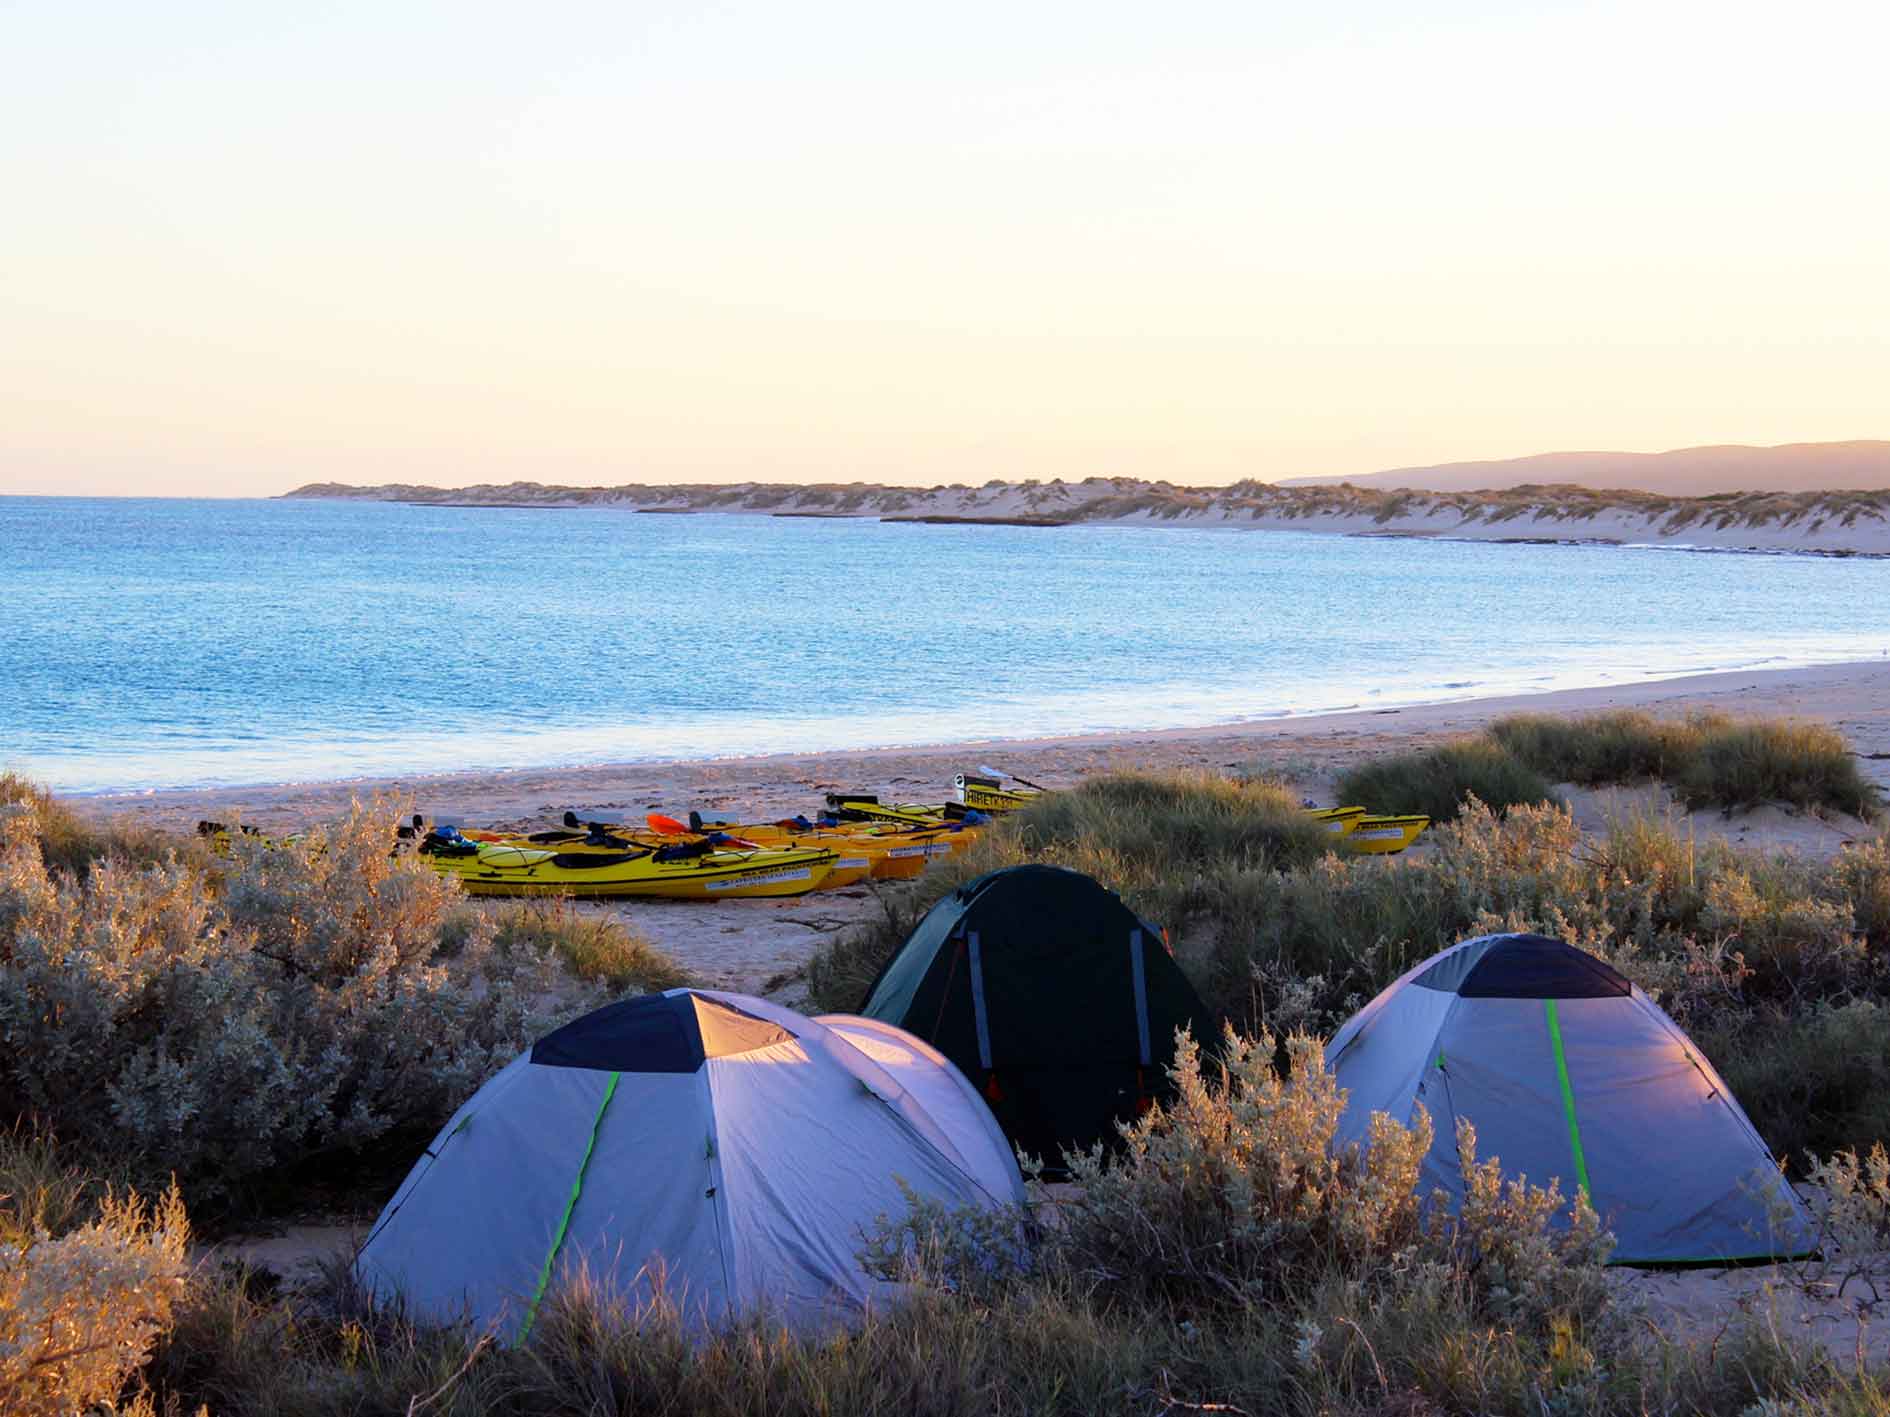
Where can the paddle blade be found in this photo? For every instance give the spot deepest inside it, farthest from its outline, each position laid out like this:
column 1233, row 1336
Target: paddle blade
column 666, row 826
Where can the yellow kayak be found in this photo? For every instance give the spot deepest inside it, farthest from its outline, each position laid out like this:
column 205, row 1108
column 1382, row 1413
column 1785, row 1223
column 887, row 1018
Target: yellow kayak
column 1339, row 821
column 850, row 866
column 1384, row 836
column 987, row 794
column 693, row 871
column 221, row 837
column 889, row 853
column 864, row 807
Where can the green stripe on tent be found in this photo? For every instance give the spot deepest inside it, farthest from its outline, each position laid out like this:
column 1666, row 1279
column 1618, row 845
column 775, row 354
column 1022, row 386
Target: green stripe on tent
column 564, row 1221
column 1568, row 1097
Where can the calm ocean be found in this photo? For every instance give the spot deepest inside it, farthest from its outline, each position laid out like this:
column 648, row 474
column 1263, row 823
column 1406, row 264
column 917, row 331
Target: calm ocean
column 176, row 642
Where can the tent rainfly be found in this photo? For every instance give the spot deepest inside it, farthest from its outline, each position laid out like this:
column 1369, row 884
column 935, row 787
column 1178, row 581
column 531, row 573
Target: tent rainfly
column 1568, row 1072
column 1052, row 996
column 735, row 1148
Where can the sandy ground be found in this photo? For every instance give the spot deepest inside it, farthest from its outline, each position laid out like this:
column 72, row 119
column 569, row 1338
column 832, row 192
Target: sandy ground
column 761, row 946
column 1810, row 1303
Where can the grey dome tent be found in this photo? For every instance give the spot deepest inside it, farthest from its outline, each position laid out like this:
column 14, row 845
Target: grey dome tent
column 1569, row 1072
column 1056, row 1001
column 739, row 1148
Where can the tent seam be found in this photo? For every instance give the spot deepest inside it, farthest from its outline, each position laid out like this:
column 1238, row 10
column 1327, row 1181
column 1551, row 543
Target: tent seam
column 1568, row 1097
column 564, row 1221
column 719, row 1207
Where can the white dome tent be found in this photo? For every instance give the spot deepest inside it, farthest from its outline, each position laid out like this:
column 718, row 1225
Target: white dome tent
column 740, row 1148
column 1570, row 1073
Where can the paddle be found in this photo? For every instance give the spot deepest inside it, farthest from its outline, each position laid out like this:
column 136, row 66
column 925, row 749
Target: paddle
column 668, row 826
column 1022, row 781
column 591, row 823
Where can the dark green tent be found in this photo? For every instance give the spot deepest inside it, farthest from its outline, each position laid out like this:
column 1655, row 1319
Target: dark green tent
column 1051, row 995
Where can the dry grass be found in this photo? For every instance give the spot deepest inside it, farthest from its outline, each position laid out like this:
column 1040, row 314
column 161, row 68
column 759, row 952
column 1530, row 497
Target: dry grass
column 72, row 844
column 592, row 944
column 1711, row 760
column 1437, row 781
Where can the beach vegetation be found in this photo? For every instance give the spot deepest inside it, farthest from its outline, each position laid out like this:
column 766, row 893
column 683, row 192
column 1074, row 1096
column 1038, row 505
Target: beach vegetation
column 303, row 1008
column 1436, row 782
column 90, row 1278
column 72, row 843
column 592, row 944
column 1170, row 844
column 240, row 1024
column 1709, row 759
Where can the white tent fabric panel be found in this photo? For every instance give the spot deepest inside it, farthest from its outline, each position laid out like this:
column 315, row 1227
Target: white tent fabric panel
column 1499, row 1072
column 944, row 1093
column 811, row 1157
column 1646, row 1110
column 652, row 1174
column 1390, row 1061
column 473, row 1230
column 1392, row 994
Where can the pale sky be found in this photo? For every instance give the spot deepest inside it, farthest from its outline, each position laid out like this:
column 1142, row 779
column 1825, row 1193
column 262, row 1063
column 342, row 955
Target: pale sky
column 245, row 246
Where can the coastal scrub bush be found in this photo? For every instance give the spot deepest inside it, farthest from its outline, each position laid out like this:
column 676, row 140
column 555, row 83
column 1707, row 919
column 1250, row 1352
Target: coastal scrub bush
column 1234, row 1193
column 1435, row 781
column 160, row 1030
column 1167, row 844
column 1154, row 822
column 88, row 1281
column 1234, row 1201
column 1863, row 875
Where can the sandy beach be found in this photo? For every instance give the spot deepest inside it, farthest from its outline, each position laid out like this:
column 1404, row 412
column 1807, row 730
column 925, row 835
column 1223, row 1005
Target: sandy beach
column 761, row 946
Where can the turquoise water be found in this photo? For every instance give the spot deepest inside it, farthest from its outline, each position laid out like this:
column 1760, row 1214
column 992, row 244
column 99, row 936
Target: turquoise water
column 174, row 642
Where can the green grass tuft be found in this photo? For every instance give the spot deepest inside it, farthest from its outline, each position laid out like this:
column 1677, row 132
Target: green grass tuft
column 1435, row 781
column 1711, row 760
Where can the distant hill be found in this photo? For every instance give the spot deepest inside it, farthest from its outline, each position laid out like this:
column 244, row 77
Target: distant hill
column 1684, row 472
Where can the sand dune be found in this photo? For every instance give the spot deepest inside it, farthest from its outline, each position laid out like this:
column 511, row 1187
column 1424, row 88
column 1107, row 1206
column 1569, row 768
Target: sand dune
column 1835, row 522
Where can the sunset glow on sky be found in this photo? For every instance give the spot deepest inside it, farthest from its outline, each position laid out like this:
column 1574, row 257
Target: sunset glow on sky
column 245, row 247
